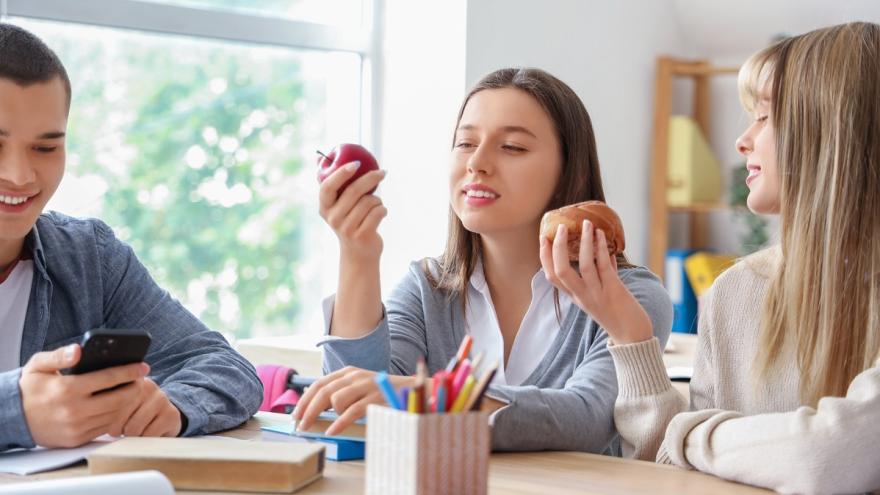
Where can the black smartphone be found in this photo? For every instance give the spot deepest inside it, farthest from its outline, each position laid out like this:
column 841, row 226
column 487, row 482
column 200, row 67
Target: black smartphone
column 105, row 348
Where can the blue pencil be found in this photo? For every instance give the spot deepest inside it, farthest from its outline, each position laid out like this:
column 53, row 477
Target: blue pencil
column 387, row 390
column 441, row 399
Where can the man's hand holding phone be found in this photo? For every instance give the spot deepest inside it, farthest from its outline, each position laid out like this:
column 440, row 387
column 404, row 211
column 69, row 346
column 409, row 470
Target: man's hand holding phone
column 74, row 394
column 153, row 415
column 70, row 410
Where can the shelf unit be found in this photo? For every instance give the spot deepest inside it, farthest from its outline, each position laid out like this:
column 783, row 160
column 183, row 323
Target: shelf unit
column 668, row 69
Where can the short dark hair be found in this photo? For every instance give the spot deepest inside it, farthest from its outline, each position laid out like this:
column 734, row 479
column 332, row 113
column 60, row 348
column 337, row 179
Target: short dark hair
column 26, row 60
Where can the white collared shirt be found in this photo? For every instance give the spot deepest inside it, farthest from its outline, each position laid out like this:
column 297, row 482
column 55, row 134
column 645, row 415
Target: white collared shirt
column 15, row 292
column 538, row 330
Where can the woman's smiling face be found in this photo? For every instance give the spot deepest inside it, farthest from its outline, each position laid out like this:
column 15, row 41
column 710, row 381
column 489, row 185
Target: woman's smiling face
column 758, row 145
column 506, row 162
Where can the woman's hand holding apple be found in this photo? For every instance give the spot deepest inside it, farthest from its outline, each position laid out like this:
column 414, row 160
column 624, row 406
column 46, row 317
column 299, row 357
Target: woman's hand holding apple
column 349, row 175
column 348, row 205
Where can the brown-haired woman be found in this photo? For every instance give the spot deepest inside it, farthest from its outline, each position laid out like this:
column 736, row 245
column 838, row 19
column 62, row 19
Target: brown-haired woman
column 523, row 144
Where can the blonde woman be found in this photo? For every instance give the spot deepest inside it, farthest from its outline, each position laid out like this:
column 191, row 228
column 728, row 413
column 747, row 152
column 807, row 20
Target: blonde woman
column 786, row 387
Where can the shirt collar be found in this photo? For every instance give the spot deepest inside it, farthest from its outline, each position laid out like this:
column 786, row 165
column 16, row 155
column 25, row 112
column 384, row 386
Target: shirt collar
column 478, row 280
column 33, row 249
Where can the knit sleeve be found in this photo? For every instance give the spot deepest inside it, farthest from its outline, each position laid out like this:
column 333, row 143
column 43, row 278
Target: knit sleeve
column 832, row 448
column 646, row 400
column 397, row 342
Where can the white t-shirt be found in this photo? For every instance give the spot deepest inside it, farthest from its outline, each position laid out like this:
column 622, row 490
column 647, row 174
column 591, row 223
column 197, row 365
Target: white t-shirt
column 537, row 331
column 15, row 292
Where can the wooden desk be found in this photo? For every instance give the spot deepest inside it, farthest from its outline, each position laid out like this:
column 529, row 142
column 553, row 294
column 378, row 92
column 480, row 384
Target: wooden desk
column 559, row 473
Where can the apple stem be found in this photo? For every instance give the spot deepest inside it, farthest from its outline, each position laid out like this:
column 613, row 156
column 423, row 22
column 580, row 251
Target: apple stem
column 322, row 154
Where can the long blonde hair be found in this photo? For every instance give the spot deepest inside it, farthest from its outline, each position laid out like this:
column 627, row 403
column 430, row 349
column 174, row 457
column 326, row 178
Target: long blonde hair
column 824, row 298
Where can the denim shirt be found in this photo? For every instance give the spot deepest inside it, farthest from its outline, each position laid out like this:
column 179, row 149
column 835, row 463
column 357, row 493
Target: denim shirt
column 86, row 278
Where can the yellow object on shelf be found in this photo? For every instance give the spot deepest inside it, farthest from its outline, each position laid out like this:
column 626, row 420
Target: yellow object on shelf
column 693, row 172
column 703, row 268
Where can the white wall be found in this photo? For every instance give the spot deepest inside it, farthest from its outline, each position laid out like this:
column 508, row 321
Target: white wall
column 422, row 83
column 606, row 52
column 424, row 74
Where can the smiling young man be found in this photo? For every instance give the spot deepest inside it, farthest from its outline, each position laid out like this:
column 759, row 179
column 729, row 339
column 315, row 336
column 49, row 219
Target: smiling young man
column 60, row 277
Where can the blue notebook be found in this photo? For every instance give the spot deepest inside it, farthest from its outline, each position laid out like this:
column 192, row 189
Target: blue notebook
column 335, row 448
column 356, row 431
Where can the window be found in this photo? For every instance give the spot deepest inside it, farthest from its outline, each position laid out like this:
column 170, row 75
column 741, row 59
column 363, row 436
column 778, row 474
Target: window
column 200, row 153
column 341, row 13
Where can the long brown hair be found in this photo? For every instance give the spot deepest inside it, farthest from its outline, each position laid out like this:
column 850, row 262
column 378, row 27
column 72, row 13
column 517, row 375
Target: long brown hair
column 579, row 181
column 824, row 298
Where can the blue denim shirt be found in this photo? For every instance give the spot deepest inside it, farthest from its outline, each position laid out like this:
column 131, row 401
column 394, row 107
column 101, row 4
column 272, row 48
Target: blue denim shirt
column 86, row 278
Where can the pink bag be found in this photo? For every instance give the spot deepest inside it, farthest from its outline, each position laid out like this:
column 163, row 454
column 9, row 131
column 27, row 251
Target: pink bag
column 276, row 396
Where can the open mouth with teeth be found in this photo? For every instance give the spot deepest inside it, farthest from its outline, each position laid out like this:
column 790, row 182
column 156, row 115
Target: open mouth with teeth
column 13, row 200
column 15, row 204
column 754, row 171
column 474, row 193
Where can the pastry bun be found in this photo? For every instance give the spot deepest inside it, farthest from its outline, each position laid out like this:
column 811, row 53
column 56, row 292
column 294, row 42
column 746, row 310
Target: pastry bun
column 573, row 216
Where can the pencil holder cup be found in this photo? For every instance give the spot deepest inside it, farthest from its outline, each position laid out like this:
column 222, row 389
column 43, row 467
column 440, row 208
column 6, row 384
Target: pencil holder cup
column 426, row 454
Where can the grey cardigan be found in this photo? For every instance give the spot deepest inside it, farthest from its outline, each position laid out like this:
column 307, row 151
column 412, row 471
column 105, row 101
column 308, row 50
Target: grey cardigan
column 567, row 403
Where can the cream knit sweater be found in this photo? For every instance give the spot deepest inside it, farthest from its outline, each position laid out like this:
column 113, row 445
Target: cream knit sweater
column 755, row 433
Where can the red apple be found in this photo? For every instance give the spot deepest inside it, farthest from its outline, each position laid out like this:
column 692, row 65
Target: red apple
column 343, row 154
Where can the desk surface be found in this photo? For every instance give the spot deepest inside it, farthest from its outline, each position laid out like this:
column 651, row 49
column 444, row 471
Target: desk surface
column 558, row 473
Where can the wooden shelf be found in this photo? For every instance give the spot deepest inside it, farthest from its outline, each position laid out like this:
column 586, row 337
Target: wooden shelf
column 668, row 69
column 700, row 69
column 699, row 208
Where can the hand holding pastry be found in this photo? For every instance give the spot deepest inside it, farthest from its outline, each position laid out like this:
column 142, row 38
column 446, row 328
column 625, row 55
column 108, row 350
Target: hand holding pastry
column 573, row 216
column 594, row 285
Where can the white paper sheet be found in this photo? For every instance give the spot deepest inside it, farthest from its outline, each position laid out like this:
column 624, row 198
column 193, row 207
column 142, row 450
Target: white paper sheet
column 133, row 483
column 680, row 372
column 41, row 459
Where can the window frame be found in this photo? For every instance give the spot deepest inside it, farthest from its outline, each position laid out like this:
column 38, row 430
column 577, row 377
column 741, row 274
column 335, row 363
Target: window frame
column 232, row 26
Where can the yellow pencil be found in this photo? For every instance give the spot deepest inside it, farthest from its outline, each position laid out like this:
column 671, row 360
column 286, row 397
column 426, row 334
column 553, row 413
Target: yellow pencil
column 462, row 398
column 413, row 401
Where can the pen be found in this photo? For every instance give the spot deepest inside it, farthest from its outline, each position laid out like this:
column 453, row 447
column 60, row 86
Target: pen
column 439, row 378
column 462, row 398
column 413, row 401
column 419, row 390
column 473, row 402
column 387, row 390
column 447, row 390
column 453, row 363
column 404, row 398
column 463, row 350
column 464, row 371
column 475, row 364
column 441, row 398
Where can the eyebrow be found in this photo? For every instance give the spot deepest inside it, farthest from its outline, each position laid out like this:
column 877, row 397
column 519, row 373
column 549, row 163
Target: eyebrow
column 45, row 135
column 507, row 128
column 51, row 135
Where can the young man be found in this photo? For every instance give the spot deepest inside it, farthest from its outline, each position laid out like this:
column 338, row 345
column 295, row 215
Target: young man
column 60, row 277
